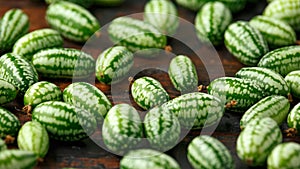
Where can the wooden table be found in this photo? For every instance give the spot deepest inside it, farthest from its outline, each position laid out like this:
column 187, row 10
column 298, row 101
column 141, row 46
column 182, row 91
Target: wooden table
column 87, row 154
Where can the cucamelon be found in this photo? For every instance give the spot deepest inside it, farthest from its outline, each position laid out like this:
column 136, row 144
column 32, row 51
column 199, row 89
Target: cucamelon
column 293, row 81
column 162, row 128
column 285, row 155
column 84, row 3
column 18, row 159
column 113, row 64
column 271, row 82
column 9, row 125
column 277, row 33
column 64, row 121
column 147, row 158
column 35, row 41
column 14, row 24
column 257, row 140
column 211, row 22
column 238, row 94
column 72, row 21
column 122, row 129
column 293, row 120
column 208, row 152
column 183, row 74
column 89, row 98
column 33, row 137
column 63, row 63
column 163, row 15
column 245, row 43
column 8, row 92
column 194, row 5
column 282, row 60
column 275, row 107
column 17, row 71
column 196, row 110
column 147, row 92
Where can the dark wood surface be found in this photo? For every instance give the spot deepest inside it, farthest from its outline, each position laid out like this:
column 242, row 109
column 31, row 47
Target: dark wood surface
column 213, row 64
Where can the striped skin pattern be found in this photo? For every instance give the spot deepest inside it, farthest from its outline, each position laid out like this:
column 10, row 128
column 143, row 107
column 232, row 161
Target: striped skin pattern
column 108, row 2
column 122, row 129
column 194, row 5
column 41, row 92
column 163, row 15
column 135, row 34
column 72, row 21
column 33, row 137
column 17, row 71
column 18, row 159
column 285, row 156
column 283, row 60
column 211, row 22
column 2, row 145
column 14, row 24
column 257, row 140
column 9, row 123
column 147, row 92
column 63, row 63
column 245, row 43
column 162, row 128
column 234, row 5
column 183, row 74
column 244, row 92
column 277, row 33
column 208, row 152
column 35, row 41
column 271, row 82
column 84, row 3
column 275, row 107
column 113, row 64
column 147, row 158
column 196, row 110
column 89, row 98
column 293, row 119
column 8, row 92
column 293, row 81
column 64, row 122
column 286, row 10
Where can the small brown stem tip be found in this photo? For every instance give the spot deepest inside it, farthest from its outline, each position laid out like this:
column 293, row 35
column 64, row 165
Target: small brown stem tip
column 290, row 98
column 201, row 88
column 168, row 48
column 231, row 104
column 27, row 109
column 9, row 139
column 291, row 132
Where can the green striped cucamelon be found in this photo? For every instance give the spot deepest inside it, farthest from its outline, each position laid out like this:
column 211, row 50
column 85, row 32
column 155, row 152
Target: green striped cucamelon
column 17, row 71
column 136, row 35
column 89, row 98
column 113, row 64
column 163, row 15
column 84, row 3
column 271, row 82
column 183, row 74
column 63, row 121
column 196, row 110
column 293, row 120
column 285, row 155
column 211, row 22
column 293, row 81
column 277, row 33
column 18, row 159
column 162, row 128
column 40, row 92
column 147, row 92
column 238, row 94
column 122, row 129
column 63, row 63
column 34, row 137
column 286, row 10
column 14, row 24
column 194, row 5
column 147, row 158
column 32, row 42
column 257, row 140
column 2, row 145
column 276, row 107
column 72, row 21
column 245, row 43
column 9, row 125
column 208, row 152
column 108, row 2
column 8, row 92
column 282, row 60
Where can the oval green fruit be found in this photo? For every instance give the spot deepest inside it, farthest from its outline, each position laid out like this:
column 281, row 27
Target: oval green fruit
column 8, row 92
column 293, row 120
column 293, row 81
column 84, row 3
column 9, row 124
column 19, row 159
